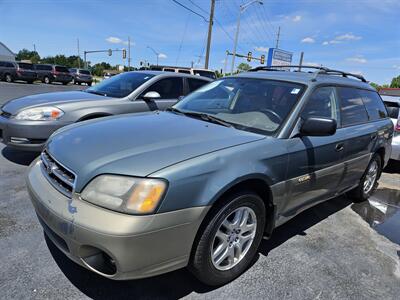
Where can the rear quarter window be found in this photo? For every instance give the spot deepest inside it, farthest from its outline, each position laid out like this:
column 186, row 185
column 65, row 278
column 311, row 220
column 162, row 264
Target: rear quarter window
column 26, row 66
column 352, row 107
column 61, row 69
column 374, row 105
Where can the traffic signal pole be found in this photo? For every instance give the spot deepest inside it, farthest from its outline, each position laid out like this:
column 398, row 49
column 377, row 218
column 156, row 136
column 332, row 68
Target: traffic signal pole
column 109, row 51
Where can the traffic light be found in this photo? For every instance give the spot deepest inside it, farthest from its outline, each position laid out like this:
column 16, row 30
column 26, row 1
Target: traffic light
column 123, row 53
column 249, row 56
column 109, row 52
column 262, row 59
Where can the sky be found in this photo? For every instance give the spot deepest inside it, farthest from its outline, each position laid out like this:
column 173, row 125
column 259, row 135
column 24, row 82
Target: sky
column 360, row 36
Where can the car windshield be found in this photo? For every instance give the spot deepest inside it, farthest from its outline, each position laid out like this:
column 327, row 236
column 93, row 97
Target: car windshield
column 121, row 85
column 256, row 105
column 61, row 69
column 85, row 72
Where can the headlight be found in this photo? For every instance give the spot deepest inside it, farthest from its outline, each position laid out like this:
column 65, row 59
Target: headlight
column 40, row 114
column 125, row 194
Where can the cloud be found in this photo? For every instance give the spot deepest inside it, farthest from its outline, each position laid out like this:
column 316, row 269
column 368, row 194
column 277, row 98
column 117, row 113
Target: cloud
column 162, row 55
column 261, row 49
column 296, row 18
column 312, row 64
column 359, row 59
column 348, row 37
column 308, row 40
column 342, row 38
column 113, row 40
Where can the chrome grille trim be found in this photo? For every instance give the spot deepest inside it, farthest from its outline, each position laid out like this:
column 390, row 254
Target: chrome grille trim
column 58, row 175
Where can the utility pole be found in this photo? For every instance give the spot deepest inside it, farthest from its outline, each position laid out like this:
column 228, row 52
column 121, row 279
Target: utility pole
column 242, row 8
column 301, row 60
column 129, row 53
column 155, row 52
column 79, row 55
column 278, row 37
column 210, row 25
column 34, row 47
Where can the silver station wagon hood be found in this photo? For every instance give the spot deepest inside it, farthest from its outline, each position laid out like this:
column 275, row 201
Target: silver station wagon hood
column 140, row 144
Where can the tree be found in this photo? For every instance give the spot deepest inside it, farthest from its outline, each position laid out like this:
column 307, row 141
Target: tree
column 243, row 67
column 375, row 85
column 25, row 54
column 395, row 82
column 98, row 69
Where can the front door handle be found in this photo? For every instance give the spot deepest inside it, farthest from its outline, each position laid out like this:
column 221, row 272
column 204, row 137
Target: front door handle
column 339, row 147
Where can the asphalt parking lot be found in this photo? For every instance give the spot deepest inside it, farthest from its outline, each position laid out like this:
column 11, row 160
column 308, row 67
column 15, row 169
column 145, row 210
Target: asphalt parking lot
column 336, row 250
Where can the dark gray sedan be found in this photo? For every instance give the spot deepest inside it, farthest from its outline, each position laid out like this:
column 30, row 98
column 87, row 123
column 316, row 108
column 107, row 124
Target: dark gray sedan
column 26, row 123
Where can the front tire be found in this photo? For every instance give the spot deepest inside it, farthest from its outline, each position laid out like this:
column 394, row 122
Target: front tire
column 8, row 78
column 229, row 240
column 369, row 181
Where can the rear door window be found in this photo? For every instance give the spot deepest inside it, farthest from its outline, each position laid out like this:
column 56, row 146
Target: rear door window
column 393, row 109
column 374, row 105
column 194, row 84
column 62, row 69
column 184, row 71
column 25, row 66
column 352, row 106
column 168, row 88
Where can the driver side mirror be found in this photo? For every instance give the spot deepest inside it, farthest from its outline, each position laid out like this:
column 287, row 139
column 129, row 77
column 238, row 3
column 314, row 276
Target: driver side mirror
column 180, row 98
column 151, row 96
column 316, row 126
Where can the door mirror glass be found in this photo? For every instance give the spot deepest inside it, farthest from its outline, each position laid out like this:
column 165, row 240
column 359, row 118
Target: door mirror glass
column 180, row 98
column 317, row 126
column 151, row 96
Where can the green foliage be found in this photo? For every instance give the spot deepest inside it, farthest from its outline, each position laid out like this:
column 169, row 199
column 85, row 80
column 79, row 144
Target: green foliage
column 395, row 82
column 68, row 61
column 375, row 85
column 243, row 67
column 98, row 69
column 25, row 54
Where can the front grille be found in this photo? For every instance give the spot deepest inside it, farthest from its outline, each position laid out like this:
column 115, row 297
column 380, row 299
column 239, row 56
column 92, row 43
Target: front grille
column 59, row 176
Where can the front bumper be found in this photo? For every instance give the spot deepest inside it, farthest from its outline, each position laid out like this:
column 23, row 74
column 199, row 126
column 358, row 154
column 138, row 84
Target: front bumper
column 137, row 246
column 395, row 148
column 27, row 135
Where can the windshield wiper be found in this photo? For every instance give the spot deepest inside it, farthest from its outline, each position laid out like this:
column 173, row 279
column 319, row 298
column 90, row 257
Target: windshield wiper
column 203, row 116
column 96, row 93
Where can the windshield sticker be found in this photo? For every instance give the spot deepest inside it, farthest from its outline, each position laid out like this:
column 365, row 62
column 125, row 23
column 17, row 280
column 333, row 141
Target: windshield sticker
column 295, row 91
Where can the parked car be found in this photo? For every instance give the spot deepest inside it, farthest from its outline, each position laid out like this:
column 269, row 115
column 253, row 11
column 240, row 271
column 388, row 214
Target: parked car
column 193, row 71
column 27, row 122
column 11, row 71
column 393, row 106
column 80, row 76
column 200, row 184
column 53, row 73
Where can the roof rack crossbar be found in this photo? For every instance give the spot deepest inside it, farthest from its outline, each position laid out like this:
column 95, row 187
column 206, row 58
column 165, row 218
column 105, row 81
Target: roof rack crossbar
column 320, row 70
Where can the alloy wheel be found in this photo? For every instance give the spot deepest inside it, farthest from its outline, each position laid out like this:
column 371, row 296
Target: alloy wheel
column 370, row 177
column 233, row 238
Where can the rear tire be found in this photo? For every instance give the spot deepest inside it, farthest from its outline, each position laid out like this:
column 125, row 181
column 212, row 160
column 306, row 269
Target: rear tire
column 225, row 248
column 89, row 84
column 46, row 80
column 369, row 181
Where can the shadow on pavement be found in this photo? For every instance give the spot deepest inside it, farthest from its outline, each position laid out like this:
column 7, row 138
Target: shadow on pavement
column 393, row 167
column 19, row 157
column 180, row 283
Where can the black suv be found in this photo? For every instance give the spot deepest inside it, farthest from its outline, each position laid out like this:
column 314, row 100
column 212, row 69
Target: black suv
column 53, row 73
column 81, row 76
column 11, row 71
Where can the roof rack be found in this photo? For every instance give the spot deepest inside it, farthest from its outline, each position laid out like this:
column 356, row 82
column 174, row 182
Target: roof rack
column 320, row 70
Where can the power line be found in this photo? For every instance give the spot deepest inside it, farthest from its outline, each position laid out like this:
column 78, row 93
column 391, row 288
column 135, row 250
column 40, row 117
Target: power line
column 187, row 8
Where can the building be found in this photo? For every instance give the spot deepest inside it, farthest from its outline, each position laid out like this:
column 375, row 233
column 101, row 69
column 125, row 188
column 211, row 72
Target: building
column 389, row 91
column 5, row 53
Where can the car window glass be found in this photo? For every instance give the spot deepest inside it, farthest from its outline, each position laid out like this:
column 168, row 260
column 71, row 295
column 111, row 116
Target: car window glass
column 256, row 105
column 322, row 103
column 25, row 66
column 209, row 74
column 169, row 70
column 72, row 70
column 120, row 85
column 184, row 71
column 85, row 72
column 352, row 107
column 194, row 84
column 168, row 88
column 374, row 105
column 61, row 69
column 393, row 109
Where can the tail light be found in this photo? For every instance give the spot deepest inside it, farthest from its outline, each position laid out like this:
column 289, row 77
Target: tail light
column 397, row 127
column 18, row 70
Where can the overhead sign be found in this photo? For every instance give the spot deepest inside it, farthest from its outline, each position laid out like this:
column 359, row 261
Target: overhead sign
column 278, row 57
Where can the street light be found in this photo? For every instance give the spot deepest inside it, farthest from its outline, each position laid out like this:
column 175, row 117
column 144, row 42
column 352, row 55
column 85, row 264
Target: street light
column 242, row 8
column 155, row 52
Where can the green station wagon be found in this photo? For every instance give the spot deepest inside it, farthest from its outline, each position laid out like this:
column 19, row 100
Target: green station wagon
column 200, row 184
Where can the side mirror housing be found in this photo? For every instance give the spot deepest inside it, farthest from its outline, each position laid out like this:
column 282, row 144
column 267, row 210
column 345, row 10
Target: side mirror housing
column 180, row 98
column 151, row 96
column 316, row 126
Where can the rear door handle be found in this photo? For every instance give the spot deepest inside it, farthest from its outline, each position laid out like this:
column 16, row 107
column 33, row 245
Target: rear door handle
column 373, row 137
column 339, row 147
